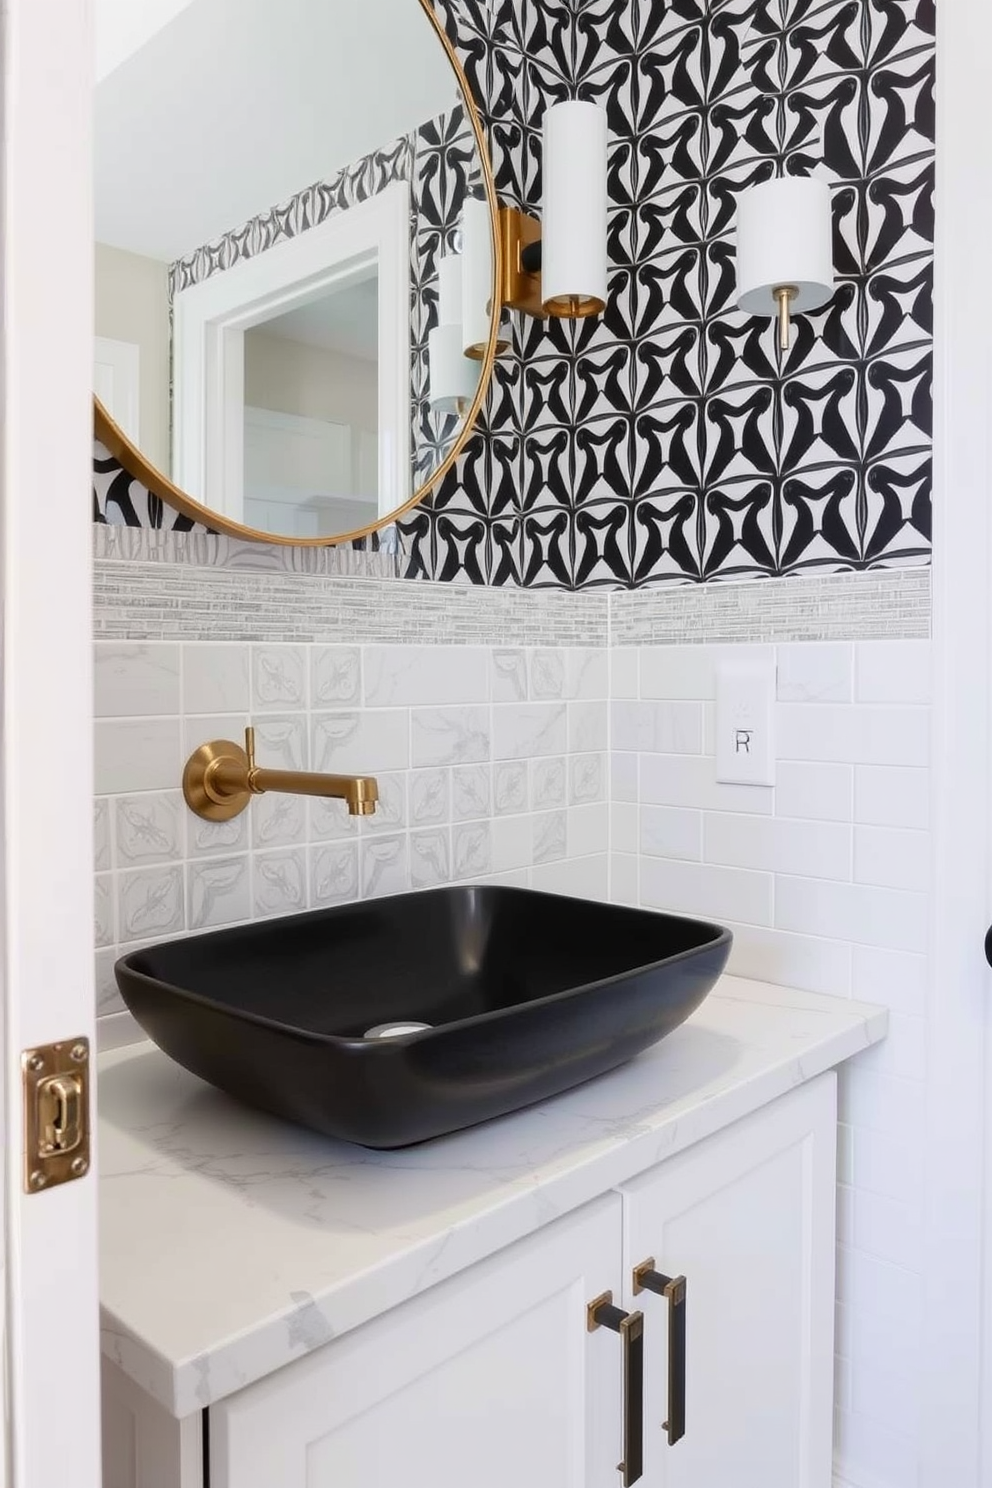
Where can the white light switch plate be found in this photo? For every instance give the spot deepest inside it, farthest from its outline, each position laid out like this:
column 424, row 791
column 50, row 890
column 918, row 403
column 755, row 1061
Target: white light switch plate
column 745, row 722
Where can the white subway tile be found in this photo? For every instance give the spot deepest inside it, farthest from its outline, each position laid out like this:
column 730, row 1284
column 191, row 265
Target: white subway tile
column 549, row 835
column 132, row 679
column 333, row 874
column 857, row 734
column 902, row 1053
column 450, row 736
column 890, row 796
column 814, row 792
column 690, row 671
column 623, row 777
column 361, row 743
column 588, row 830
column 671, row 832
column 522, row 730
column 623, row 672
column 512, row 843
column 390, row 811
column 137, row 755
column 845, row 1174
column 815, row 672
column 657, row 727
column 891, row 1229
column 889, row 1392
column 423, row 676
column 279, row 882
column 885, row 1103
column 887, row 1164
column 582, row 878
column 148, row 828
column 587, row 779
column 893, row 672
column 215, row 678
column 623, row 878
column 549, row 781
column 430, row 857
column 690, row 780
column 335, row 676
column 430, row 797
column 864, row 1446
column 587, row 672
column 866, row 916
column 150, row 902
column 713, row 893
column 880, row 974
column 198, row 728
column 218, row 892
column 471, row 849
column 807, row 849
column 278, row 679
column 547, row 673
column 510, row 793
column 892, row 858
column 811, row 964
column 588, row 727
column 508, row 675
column 625, row 818
column 385, row 866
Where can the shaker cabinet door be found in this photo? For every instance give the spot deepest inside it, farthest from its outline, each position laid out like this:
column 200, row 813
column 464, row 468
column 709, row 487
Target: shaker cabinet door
column 747, row 1217
column 489, row 1380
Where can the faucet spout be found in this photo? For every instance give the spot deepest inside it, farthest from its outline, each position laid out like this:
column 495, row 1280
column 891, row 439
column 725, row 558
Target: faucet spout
column 220, row 779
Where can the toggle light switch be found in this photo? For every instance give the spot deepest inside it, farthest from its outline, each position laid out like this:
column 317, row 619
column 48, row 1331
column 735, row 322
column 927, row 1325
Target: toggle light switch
column 745, row 722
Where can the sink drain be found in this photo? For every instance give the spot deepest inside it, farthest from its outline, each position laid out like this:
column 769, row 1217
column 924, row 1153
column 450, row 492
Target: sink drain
column 395, row 1030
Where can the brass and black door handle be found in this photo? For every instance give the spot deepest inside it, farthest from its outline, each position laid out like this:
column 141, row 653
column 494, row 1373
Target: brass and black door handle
column 630, row 1325
column 673, row 1289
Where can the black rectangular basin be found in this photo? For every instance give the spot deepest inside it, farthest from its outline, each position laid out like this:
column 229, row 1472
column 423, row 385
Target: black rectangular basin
column 526, row 995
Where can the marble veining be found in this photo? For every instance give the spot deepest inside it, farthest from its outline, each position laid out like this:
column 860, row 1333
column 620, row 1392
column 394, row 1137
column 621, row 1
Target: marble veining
column 232, row 1243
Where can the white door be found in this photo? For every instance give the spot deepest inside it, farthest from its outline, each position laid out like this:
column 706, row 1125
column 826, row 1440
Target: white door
column 50, row 1323
column 747, row 1218
column 492, row 1380
column 117, row 382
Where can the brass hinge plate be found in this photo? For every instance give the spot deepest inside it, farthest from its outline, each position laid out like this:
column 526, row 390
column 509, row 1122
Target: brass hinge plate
column 56, row 1084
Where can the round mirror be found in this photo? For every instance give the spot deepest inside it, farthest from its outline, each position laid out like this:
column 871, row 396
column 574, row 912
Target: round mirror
column 295, row 259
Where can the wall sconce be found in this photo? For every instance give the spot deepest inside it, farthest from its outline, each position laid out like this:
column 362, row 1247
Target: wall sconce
column 558, row 266
column 785, row 250
column 452, row 376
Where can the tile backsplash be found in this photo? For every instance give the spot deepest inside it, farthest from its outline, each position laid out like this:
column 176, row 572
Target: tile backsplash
column 491, row 761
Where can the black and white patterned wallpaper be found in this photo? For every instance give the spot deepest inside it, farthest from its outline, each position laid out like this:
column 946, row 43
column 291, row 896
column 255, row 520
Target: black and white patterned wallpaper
column 668, row 439
column 441, row 164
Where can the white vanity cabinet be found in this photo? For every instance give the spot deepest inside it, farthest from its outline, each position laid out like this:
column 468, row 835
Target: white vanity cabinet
column 492, row 1377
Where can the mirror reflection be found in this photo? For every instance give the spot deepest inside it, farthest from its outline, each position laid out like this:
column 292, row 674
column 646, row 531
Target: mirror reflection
column 293, row 260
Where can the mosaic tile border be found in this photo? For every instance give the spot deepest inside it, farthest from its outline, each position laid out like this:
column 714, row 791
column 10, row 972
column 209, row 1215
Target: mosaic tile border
column 210, row 550
column 891, row 604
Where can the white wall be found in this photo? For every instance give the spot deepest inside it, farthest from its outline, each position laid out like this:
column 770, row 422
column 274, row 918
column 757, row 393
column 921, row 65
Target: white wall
column 132, row 304
column 291, row 377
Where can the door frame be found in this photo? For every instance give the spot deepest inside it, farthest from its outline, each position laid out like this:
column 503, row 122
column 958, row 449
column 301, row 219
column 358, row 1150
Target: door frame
column 51, row 1293
column 957, row 1317
column 210, row 319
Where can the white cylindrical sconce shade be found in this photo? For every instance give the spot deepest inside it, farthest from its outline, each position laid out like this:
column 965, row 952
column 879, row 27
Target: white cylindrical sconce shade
column 478, row 286
column 573, row 233
column 452, row 376
column 785, row 240
column 449, row 289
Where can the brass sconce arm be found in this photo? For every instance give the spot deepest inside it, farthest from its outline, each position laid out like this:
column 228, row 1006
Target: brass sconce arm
column 220, row 779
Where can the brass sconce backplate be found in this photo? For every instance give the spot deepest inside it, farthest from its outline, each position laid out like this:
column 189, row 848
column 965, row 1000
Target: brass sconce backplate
column 521, row 290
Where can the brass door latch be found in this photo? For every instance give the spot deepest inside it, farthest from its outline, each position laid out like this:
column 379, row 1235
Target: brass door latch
column 56, row 1085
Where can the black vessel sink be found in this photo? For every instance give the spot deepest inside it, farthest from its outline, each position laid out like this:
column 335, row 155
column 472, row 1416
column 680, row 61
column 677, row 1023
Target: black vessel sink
column 526, row 995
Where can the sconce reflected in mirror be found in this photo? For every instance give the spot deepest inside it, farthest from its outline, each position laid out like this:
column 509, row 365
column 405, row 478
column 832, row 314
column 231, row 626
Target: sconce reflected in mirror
column 785, row 250
column 558, row 266
column 454, row 374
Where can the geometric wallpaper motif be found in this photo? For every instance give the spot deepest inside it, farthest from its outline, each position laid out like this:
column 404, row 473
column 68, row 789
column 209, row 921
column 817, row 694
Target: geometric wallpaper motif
column 440, row 162
column 669, row 439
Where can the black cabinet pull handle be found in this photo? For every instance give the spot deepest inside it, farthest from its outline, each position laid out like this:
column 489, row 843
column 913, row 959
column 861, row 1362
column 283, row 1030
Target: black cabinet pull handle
column 630, row 1326
column 673, row 1289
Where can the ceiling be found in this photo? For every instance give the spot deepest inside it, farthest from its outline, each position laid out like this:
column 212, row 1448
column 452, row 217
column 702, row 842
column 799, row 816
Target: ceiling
column 210, row 111
column 346, row 321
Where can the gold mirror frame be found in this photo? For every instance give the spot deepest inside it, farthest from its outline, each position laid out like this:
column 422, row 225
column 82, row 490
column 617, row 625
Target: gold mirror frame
column 120, row 448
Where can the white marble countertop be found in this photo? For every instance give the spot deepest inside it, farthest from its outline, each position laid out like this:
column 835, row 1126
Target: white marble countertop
column 233, row 1243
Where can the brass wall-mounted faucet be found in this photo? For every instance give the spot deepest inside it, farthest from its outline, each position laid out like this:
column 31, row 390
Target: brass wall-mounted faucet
column 220, row 779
